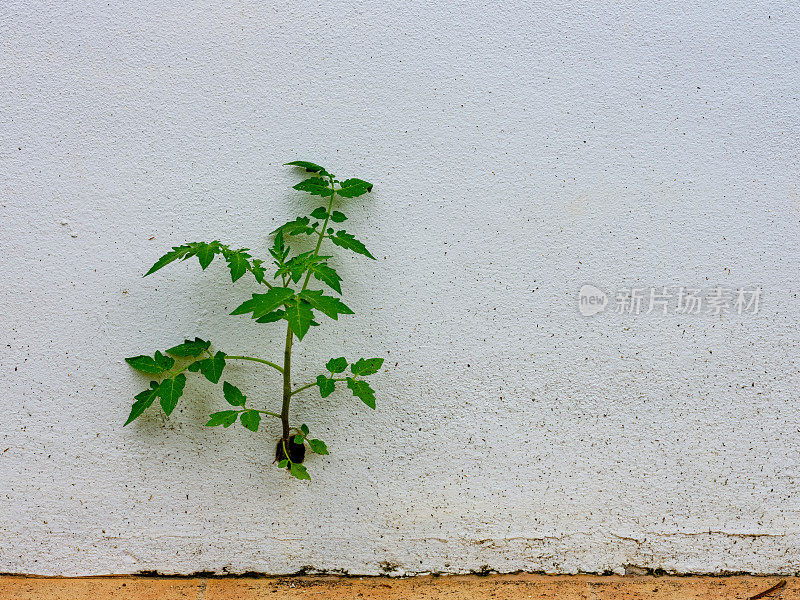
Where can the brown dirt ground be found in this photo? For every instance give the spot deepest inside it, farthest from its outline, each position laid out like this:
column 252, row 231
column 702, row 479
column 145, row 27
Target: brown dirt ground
column 451, row 587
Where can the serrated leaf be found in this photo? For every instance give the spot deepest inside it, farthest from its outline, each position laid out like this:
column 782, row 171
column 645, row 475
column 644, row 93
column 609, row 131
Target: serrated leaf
column 226, row 418
column 173, row 255
column 170, row 391
column 326, row 386
column 257, row 270
column 297, row 266
column 233, row 394
column 366, row 366
column 318, row 446
column 304, row 428
column 206, row 253
column 336, row 365
column 211, row 368
column 155, row 366
column 275, row 315
column 348, row 241
column 338, row 217
column 350, row 188
column 316, row 186
column 320, row 213
column 190, row 348
column 327, row 275
column 298, row 439
column 278, row 247
column 298, row 226
column 143, row 401
column 283, row 464
column 238, row 262
column 299, row 315
column 299, row 471
column 251, row 419
column 362, row 390
column 261, row 304
column 333, row 307
column 308, row 166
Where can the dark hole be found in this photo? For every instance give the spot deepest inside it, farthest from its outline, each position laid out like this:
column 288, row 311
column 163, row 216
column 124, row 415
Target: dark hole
column 297, row 452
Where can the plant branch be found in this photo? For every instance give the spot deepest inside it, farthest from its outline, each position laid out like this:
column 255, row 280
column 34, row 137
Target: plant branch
column 266, row 412
column 300, row 389
column 308, row 385
column 258, row 360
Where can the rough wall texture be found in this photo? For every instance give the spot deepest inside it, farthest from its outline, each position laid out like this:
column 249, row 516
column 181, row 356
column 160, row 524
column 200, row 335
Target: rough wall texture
column 519, row 150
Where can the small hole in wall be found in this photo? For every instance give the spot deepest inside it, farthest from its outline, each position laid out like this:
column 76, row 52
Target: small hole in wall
column 297, row 452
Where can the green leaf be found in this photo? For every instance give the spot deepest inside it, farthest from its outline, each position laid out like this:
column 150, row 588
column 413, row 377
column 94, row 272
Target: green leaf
column 366, row 366
column 299, row 471
column 170, row 391
column 176, row 253
column 279, row 251
column 308, row 166
column 316, row 186
column 156, row 366
column 261, row 304
column 297, row 266
column 338, row 217
column 283, row 464
column 299, row 225
column 237, row 262
column 211, row 368
column 318, row 446
column 322, row 272
column 143, row 401
column 320, row 213
column 257, row 270
column 206, row 252
column 233, row 394
column 226, row 418
column 304, row 428
column 299, row 315
column 336, row 365
column 333, row 307
column 190, row 348
column 298, row 439
column 214, row 368
column 275, row 315
column 362, row 390
column 326, row 386
column 251, row 419
column 346, row 240
column 350, row 188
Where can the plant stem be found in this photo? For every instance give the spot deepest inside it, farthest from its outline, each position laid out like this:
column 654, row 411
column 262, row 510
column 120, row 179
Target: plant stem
column 258, row 360
column 287, row 383
column 287, row 353
column 322, row 231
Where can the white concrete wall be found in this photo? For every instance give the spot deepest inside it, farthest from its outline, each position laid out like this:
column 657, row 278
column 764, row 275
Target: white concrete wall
column 519, row 150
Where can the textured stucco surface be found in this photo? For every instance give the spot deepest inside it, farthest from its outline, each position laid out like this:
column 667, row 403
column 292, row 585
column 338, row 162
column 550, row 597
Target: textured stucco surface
column 519, row 150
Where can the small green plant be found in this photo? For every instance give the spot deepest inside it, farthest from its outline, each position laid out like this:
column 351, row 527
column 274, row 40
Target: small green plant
column 288, row 298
